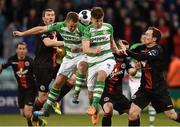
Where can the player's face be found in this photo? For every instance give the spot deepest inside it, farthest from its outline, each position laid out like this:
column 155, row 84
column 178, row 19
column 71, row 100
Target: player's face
column 97, row 23
column 148, row 37
column 21, row 51
column 49, row 17
column 71, row 25
column 142, row 38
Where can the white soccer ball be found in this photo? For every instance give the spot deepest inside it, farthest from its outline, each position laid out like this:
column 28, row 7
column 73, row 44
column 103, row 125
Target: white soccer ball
column 85, row 17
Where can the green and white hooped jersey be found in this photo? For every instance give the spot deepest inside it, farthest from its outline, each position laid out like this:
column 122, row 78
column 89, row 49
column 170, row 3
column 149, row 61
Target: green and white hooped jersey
column 99, row 38
column 71, row 39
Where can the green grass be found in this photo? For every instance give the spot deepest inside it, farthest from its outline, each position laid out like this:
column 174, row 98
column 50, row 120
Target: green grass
column 84, row 120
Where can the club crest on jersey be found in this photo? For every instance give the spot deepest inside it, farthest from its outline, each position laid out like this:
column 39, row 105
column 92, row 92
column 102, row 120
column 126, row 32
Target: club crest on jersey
column 42, row 87
column 26, row 63
column 106, row 99
column 134, row 96
column 123, row 65
column 108, row 66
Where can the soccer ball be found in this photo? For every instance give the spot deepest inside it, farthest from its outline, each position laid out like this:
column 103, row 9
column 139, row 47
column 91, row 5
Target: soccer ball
column 85, row 17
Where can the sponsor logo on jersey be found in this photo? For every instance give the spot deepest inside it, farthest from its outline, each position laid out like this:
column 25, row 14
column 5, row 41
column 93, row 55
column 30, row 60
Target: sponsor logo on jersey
column 27, row 63
column 71, row 38
column 106, row 99
column 100, row 38
column 21, row 72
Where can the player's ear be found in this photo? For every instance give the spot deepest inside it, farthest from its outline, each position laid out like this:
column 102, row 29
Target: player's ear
column 154, row 39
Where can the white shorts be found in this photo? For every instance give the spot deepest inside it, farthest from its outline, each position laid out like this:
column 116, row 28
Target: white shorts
column 106, row 66
column 69, row 66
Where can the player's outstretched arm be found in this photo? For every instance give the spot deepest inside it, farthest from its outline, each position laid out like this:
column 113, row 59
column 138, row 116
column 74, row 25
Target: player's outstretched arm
column 32, row 31
column 52, row 43
column 88, row 50
column 114, row 47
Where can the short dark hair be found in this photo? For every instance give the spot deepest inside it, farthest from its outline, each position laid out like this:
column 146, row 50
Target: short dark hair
column 21, row 43
column 97, row 12
column 156, row 33
column 46, row 10
column 72, row 16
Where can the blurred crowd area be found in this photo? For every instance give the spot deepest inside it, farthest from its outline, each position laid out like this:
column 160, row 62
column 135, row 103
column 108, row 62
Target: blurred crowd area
column 130, row 18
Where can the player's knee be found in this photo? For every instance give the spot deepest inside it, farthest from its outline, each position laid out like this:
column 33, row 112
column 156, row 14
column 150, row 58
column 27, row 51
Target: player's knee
column 28, row 114
column 83, row 67
column 108, row 108
column 171, row 114
column 42, row 97
column 133, row 115
column 71, row 82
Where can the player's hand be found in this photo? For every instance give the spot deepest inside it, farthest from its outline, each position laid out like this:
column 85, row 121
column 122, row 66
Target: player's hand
column 96, row 51
column 17, row 33
column 122, row 49
column 138, row 66
column 76, row 49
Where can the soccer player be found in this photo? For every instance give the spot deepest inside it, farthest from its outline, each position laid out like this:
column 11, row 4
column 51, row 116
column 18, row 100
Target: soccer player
column 23, row 70
column 153, row 86
column 134, row 81
column 85, row 19
column 45, row 66
column 112, row 97
column 71, row 31
column 98, row 44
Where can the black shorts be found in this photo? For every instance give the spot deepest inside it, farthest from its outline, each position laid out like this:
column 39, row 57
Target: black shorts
column 44, row 76
column 160, row 99
column 26, row 97
column 120, row 103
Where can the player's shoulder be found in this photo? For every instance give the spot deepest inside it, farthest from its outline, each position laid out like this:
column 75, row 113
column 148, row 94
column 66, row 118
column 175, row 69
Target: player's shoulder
column 29, row 58
column 107, row 24
column 13, row 57
column 58, row 24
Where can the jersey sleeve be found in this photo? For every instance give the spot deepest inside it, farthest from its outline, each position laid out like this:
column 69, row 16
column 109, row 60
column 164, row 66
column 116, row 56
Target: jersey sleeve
column 44, row 35
column 150, row 55
column 54, row 27
column 8, row 63
column 86, row 35
column 81, row 28
column 111, row 30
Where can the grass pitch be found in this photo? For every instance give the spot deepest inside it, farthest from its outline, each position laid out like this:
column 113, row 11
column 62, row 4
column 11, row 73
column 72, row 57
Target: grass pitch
column 83, row 120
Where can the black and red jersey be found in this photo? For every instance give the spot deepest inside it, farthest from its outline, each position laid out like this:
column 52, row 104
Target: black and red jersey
column 23, row 71
column 152, row 67
column 45, row 56
column 113, row 84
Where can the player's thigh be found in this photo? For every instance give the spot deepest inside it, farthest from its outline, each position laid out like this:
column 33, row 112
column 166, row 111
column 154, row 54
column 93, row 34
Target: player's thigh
column 44, row 76
column 28, row 109
column 67, row 68
column 140, row 98
column 21, row 98
column 92, row 76
column 107, row 67
column 122, row 104
column 161, row 101
column 30, row 96
column 106, row 104
column 82, row 63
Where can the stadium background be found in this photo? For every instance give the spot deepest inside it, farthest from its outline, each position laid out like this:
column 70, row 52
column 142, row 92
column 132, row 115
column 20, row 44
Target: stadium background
column 130, row 18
